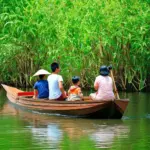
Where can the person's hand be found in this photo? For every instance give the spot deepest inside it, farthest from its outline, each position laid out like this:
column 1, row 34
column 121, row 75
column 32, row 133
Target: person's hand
column 64, row 94
column 34, row 97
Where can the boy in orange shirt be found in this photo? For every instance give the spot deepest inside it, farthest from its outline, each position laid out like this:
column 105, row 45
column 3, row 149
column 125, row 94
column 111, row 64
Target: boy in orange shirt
column 74, row 92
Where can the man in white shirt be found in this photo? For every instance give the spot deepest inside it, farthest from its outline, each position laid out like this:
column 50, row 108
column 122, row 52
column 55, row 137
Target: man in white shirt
column 55, row 83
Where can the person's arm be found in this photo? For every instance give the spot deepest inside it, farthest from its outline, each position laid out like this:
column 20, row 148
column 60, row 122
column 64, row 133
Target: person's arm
column 62, row 88
column 80, row 93
column 68, row 92
column 96, row 85
column 35, row 94
column 35, row 91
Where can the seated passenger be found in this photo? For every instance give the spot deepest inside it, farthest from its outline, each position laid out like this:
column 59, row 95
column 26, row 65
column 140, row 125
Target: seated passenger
column 104, row 86
column 74, row 93
column 55, row 84
column 41, row 86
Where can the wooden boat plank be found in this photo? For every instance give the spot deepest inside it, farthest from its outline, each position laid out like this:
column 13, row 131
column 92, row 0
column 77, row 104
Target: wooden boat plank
column 88, row 108
column 60, row 107
column 68, row 102
column 60, row 104
column 121, row 105
column 66, row 111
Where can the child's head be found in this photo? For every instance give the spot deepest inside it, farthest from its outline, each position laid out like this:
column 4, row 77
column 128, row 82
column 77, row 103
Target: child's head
column 54, row 66
column 76, row 80
column 41, row 76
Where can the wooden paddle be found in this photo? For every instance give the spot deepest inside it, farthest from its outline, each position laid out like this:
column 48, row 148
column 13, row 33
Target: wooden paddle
column 114, row 84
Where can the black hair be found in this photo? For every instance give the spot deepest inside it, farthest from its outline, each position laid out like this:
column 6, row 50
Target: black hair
column 54, row 66
column 104, row 71
column 75, row 79
column 41, row 76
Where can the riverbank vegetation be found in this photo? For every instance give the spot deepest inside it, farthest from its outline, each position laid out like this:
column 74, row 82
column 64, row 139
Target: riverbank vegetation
column 81, row 35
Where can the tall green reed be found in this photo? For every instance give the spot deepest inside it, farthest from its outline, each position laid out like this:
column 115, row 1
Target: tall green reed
column 82, row 35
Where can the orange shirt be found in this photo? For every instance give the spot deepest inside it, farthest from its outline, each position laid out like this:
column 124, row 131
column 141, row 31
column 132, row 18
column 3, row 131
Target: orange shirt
column 74, row 90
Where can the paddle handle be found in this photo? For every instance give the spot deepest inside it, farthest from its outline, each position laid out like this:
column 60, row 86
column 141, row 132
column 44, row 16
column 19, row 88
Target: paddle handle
column 114, row 85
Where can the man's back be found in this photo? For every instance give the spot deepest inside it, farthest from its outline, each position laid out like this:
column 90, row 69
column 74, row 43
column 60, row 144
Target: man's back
column 53, row 83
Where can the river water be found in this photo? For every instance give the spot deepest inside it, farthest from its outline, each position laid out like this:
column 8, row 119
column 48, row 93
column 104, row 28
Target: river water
column 25, row 130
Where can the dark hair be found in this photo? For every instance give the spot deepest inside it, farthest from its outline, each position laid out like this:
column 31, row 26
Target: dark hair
column 54, row 66
column 104, row 71
column 41, row 76
column 75, row 79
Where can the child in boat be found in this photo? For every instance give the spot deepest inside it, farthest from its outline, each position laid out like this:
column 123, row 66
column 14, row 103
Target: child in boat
column 74, row 92
column 103, row 85
column 41, row 86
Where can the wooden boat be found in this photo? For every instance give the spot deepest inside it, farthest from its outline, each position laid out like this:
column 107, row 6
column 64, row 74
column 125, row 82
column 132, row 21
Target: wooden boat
column 86, row 108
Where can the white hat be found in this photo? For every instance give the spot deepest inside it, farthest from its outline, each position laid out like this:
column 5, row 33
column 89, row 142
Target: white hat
column 41, row 72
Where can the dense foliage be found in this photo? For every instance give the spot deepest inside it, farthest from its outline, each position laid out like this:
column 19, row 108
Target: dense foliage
column 81, row 35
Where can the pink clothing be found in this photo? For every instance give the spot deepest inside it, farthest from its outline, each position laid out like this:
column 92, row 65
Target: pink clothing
column 105, row 88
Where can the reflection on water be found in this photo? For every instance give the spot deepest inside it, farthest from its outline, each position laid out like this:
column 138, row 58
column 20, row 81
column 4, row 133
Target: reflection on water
column 50, row 134
column 28, row 130
column 52, row 131
column 105, row 135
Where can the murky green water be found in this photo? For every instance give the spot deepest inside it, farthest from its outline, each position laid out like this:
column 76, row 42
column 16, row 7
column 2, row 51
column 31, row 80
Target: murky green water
column 23, row 130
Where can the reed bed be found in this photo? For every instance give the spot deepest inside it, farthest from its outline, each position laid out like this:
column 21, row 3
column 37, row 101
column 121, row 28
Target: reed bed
column 80, row 35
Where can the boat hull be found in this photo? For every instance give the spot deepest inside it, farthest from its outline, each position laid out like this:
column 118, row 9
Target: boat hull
column 87, row 108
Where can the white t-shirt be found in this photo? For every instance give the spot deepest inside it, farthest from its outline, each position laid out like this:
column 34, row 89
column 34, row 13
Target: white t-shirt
column 53, row 84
